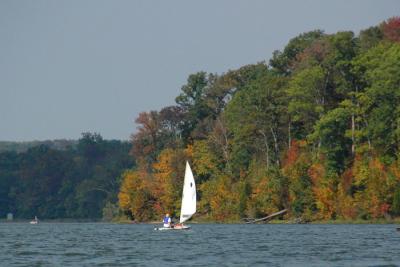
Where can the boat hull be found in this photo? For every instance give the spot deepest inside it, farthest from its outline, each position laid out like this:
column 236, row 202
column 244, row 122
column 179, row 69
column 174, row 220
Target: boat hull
column 176, row 228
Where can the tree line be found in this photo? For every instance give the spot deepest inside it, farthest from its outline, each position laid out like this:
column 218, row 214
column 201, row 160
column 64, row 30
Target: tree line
column 58, row 144
column 80, row 180
column 316, row 130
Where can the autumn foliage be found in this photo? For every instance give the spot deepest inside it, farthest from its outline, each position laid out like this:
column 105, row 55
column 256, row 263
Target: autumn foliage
column 316, row 131
column 391, row 29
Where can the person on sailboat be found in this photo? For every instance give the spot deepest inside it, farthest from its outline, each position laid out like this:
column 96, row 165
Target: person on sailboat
column 167, row 221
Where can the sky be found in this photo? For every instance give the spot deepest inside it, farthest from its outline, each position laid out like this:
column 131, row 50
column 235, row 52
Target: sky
column 68, row 67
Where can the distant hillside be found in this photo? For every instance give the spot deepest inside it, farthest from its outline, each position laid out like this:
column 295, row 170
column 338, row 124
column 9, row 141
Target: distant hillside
column 61, row 144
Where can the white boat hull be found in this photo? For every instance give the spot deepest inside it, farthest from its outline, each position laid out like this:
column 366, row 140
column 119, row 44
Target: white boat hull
column 184, row 227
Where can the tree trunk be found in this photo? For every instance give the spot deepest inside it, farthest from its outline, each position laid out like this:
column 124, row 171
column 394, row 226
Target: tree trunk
column 275, row 146
column 269, row 217
column 352, row 134
column 289, row 135
column 266, row 146
column 368, row 139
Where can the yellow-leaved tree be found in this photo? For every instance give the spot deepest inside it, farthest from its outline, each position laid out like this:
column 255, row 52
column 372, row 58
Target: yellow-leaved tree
column 266, row 190
column 375, row 187
column 169, row 170
column 222, row 196
column 135, row 196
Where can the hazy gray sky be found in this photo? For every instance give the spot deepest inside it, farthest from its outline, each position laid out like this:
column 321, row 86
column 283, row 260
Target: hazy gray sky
column 72, row 66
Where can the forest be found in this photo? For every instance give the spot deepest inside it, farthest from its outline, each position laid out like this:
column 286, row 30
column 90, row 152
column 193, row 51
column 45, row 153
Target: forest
column 315, row 130
column 63, row 179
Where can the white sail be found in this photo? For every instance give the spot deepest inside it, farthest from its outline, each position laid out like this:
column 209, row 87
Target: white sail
column 188, row 196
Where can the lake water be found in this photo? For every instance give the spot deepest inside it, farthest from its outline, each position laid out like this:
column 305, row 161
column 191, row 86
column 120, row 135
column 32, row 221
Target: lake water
column 101, row 244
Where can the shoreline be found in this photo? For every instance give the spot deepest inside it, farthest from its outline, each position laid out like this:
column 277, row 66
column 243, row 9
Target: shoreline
column 319, row 222
column 205, row 221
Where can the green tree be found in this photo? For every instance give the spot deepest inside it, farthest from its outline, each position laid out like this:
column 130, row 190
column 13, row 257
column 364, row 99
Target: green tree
column 282, row 62
column 257, row 120
column 379, row 69
column 307, row 99
column 331, row 130
column 192, row 101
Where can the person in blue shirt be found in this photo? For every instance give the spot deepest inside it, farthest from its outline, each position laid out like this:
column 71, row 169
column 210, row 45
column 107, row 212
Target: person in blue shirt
column 167, row 221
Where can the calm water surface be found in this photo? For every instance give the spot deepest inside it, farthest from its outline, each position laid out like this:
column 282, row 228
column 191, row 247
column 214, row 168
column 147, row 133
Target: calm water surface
column 98, row 244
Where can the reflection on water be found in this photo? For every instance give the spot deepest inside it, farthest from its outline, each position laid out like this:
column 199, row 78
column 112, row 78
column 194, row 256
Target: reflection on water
column 100, row 244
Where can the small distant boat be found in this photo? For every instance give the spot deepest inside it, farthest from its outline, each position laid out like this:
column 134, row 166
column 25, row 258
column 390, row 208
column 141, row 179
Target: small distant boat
column 188, row 206
column 35, row 221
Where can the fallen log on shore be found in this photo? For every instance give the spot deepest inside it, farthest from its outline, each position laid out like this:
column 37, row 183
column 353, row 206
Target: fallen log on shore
column 248, row 219
column 267, row 218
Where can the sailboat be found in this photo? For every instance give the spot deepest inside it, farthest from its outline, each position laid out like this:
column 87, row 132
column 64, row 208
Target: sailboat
column 188, row 206
column 35, row 221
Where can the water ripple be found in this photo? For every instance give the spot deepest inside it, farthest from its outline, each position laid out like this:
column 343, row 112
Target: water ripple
column 99, row 244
